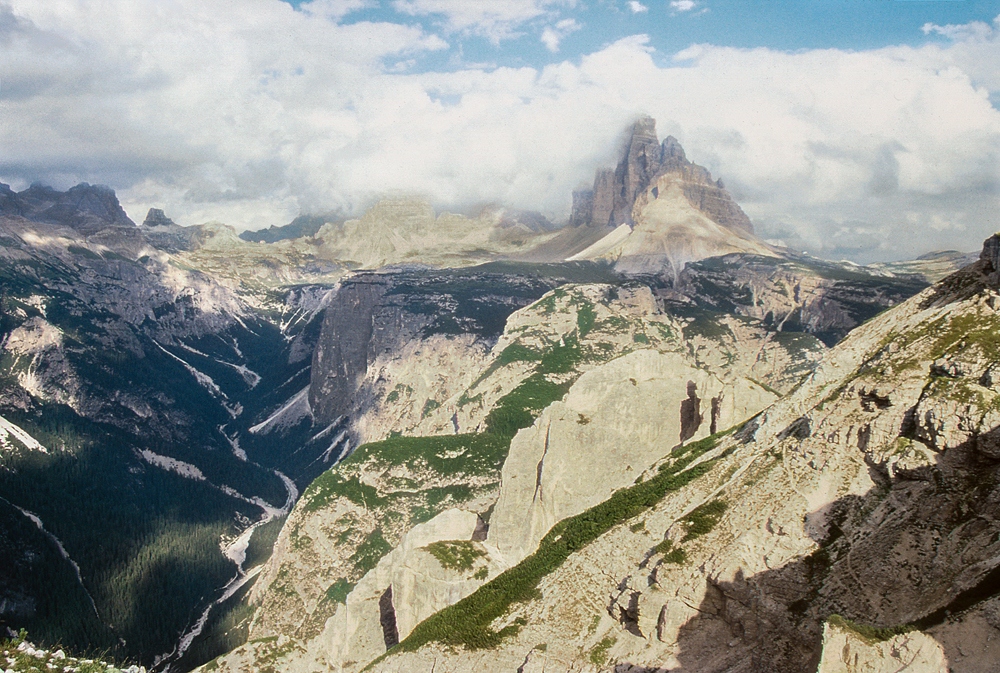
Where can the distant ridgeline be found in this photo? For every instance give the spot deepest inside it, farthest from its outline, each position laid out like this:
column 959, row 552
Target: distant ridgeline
column 303, row 226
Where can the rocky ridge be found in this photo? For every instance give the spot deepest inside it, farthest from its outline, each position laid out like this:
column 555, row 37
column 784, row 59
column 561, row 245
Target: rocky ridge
column 656, row 212
column 572, row 339
column 840, row 510
column 128, row 378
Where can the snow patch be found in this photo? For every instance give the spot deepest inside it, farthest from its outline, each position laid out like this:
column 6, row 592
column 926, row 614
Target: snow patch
column 234, row 444
column 251, row 377
column 35, row 519
column 172, row 465
column 337, row 441
column 208, row 383
column 327, row 430
column 189, row 349
column 288, row 416
column 9, row 431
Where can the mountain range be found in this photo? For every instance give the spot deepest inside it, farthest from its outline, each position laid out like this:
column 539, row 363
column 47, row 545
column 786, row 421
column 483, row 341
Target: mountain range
column 416, row 440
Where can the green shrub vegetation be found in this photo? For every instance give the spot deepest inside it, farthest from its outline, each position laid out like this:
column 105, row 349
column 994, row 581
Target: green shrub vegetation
column 339, row 590
column 400, row 389
column 468, row 622
column 519, row 408
column 585, row 318
column 670, row 553
column 455, row 554
column 599, row 652
column 703, row 519
column 429, row 406
column 370, row 552
column 872, row 634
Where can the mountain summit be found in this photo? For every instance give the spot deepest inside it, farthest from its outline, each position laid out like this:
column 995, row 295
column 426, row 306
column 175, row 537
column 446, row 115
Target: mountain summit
column 613, row 198
column 86, row 208
column 657, row 211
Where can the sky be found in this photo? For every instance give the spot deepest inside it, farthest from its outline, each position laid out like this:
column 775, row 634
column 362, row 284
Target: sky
column 852, row 129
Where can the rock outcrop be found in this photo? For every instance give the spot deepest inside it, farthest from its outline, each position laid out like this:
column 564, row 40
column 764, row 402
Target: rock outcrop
column 86, row 208
column 656, row 211
column 854, row 495
column 630, row 381
column 408, row 231
column 612, row 201
column 615, row 421
column 155, row 217
column 791, row 294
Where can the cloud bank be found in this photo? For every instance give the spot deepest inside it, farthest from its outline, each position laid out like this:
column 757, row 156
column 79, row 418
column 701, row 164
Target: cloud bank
column 249, row 112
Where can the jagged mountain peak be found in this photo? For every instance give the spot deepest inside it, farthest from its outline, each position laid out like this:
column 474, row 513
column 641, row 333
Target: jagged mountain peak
column 657, row 211
column 157, row 218
column 612, row 200
column 85, row 207
column 672, row 150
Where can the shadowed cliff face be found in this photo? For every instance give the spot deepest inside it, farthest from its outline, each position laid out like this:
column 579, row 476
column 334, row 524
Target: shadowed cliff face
column 342, row 354
column 878, row 564
column 377, row 314
column 691, row 417
column 792, row 295
column 86, row 208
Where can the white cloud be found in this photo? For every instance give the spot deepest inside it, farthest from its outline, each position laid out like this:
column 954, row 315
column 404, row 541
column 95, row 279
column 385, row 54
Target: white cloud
column 975, row 30
column 494, row 19
column 683, row 5
column 553, row 35
column 249, row 111
column 637, row 7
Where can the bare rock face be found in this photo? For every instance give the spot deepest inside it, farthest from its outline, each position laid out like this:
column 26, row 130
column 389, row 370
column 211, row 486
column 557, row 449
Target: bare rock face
column 376, row 316
column 408, row 231
column 989, row 259
column 341, row 357
column 407, row 586
column 615, row 421
column 613, row 198
column 846, row 651
column 657, row 211
column 86, row 208
column 157, row 218
column 872, row 491
column 792, row 294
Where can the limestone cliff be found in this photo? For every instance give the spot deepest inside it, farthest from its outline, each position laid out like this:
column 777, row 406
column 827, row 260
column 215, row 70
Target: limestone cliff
column 613, row 199
column 793, row 293
column 633, row 382
column 656, row 211
column 843, row 506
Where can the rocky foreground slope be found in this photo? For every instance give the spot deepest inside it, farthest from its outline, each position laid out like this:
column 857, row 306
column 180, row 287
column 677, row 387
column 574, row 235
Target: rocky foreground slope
column 869, row 493
column 850, row 525
column 410, row 524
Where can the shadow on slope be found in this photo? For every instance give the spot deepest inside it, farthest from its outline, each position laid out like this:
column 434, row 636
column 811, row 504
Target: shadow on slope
column 907, row 555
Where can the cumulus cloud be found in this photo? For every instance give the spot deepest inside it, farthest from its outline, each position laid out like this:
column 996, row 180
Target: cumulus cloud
column 250, row 112
column 553, row 35
column 683, row 5
column 494, row 19
column 637, row 7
